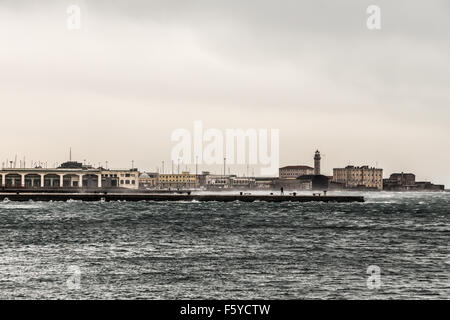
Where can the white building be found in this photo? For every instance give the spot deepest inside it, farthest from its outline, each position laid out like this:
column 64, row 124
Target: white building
column 68, row 175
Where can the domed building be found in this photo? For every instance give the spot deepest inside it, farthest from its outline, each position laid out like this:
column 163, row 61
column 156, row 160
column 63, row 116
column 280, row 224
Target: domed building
column 148, row 180
column 144, row 176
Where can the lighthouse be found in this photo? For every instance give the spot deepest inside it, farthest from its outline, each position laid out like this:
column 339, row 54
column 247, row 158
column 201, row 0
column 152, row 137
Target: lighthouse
column 317, row 163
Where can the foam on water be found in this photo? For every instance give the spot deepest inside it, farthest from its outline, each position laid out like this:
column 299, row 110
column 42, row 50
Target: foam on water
column 191, row 249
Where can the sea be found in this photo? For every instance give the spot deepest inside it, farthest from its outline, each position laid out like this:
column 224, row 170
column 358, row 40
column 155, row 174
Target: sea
column 392, row 246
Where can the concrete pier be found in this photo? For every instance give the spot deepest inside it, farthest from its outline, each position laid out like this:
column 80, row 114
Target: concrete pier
column 172, row 197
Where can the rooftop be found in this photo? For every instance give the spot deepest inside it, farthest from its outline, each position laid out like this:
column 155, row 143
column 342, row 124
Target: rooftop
column 296, row 168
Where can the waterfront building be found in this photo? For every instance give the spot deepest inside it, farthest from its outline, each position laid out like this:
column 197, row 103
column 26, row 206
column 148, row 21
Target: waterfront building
column 242, row 182
column 314, row 182
column 407, row 182
column 292, row 184
column 265, row 183
column 302, row 177
column 184, row 180
column 214, row 181
column 148, row 180
column 202, row 178
column 68, row 175
column 363, row 177
column 293, row 172
column 400, row 182
column 428, row 186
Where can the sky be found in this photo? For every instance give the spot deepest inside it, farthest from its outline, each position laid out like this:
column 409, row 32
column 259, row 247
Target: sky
column 115, row 89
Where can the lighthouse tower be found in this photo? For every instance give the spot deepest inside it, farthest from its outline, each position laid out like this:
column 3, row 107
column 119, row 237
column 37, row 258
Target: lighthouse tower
column 317, row 163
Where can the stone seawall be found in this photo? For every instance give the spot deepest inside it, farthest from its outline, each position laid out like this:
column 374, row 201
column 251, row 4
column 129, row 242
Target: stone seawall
column 172, row 197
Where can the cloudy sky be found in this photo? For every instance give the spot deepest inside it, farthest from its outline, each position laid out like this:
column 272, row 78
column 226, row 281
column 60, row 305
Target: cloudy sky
column 137, row 70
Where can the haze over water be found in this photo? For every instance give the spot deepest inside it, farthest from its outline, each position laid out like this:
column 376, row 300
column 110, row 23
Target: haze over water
column 162, row 250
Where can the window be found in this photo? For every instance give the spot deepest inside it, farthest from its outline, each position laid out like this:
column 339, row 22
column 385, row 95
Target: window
column 127, row 181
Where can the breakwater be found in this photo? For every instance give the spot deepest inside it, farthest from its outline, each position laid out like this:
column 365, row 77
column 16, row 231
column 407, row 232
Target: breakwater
column 40, row 196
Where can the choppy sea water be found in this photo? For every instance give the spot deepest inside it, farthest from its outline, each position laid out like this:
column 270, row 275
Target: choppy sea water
column 191, row 250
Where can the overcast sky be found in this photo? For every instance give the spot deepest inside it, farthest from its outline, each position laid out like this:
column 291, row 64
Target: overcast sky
column 137, row 70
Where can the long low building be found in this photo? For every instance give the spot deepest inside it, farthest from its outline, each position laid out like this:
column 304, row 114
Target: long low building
column 69, row 174
column 407, row 182
column 184, row 180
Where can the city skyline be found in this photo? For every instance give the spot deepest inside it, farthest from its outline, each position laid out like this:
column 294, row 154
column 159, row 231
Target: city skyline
column 169, row 168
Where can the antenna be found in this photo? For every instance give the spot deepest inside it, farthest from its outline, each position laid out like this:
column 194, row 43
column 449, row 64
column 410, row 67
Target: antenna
column 224, row 166
column 196, row 165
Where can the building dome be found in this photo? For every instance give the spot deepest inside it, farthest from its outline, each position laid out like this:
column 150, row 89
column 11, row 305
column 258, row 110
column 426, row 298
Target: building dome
column 144, row 176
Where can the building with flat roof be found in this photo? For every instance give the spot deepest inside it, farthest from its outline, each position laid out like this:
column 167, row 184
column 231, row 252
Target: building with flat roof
column 400, row 182
column 184, row 180
column 363, row 177
column 68, row 175
column 292, row 172
column 121, row 178
column 148, row 180
column 317, row 159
